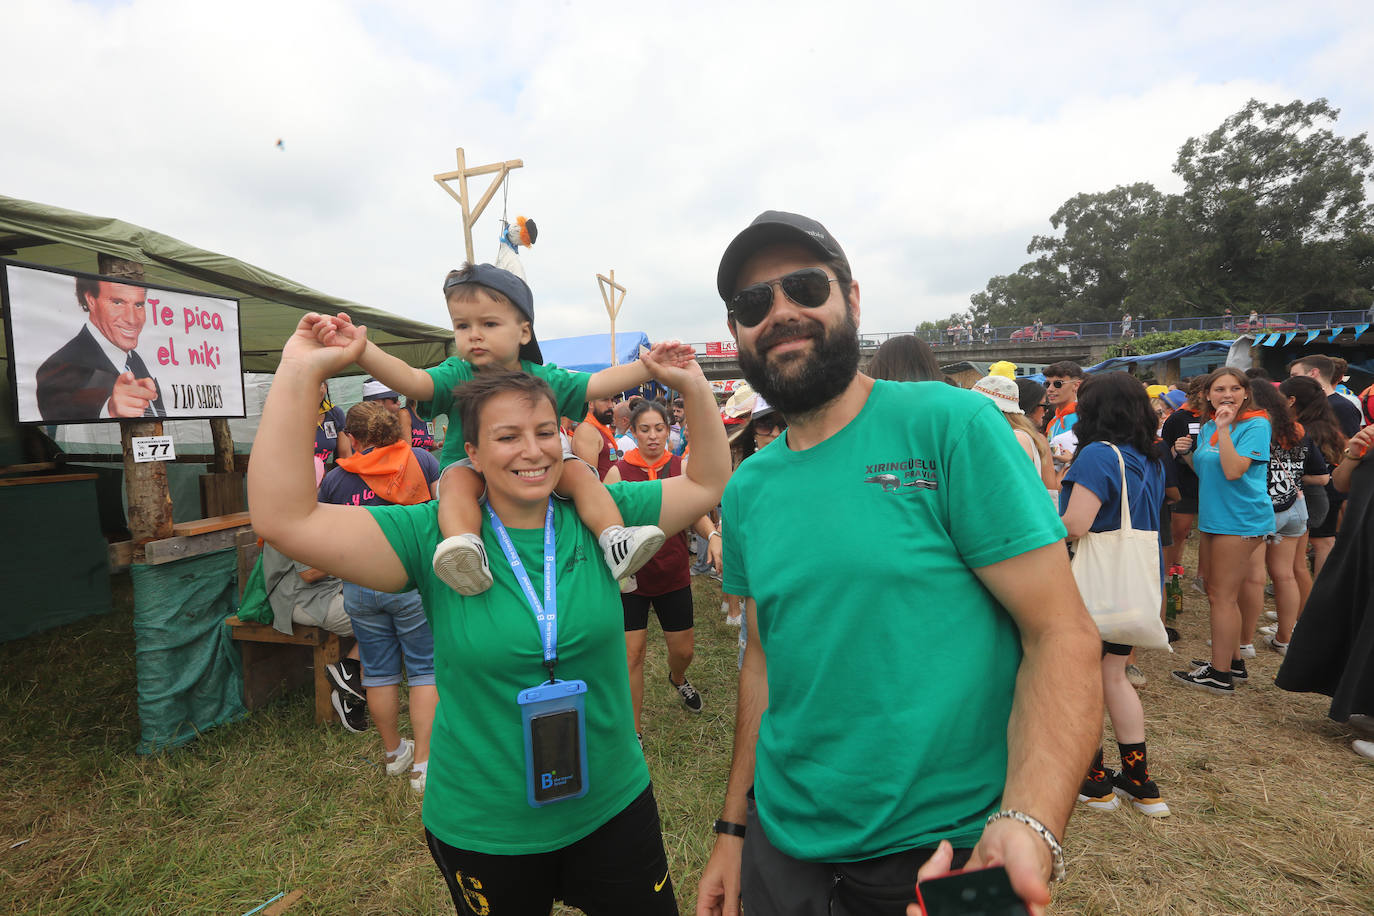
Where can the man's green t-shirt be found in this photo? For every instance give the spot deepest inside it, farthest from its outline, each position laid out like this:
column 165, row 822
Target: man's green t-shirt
column 569, row 390
column 488, row 648
column 891, row 668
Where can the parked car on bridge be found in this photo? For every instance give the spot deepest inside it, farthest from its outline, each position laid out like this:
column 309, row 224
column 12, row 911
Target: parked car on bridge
column 1269, row 323
column 1047, row 332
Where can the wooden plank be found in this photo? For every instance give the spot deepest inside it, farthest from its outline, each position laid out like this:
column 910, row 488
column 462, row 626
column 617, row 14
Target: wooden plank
column 284, row 904
column 121, row 555
column 214, row 523
column 43, row 478
column 302, row 635
column 179, row 548
column 221, row 493
column 29, row 468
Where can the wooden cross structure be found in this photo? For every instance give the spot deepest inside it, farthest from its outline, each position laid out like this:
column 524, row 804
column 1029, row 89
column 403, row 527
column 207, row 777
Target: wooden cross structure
column 471, row 212
column 609, row 290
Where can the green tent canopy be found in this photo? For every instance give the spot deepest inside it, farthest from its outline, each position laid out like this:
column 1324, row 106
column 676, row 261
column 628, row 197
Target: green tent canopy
column 269, row 305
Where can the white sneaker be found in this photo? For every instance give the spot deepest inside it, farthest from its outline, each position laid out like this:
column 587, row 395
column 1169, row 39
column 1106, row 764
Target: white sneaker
column 460, row 562
column 1268, row 631
column 1247, row 650
column 1363, row 748
column 1279, row 647
column 735, row 621
column 417, row 781
column 628, row 549
column 399, row 764
column 1271, row 615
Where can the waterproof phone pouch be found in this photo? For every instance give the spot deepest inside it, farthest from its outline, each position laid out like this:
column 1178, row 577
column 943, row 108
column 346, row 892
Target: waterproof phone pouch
column 553, row 717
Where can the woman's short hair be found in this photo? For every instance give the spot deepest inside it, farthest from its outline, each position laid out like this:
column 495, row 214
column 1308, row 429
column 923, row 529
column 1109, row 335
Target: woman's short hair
column 1113, row 407
column 472, row 396
column 372, row 424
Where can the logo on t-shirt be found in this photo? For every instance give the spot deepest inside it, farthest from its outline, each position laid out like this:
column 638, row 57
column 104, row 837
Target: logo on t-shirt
column 892, row 476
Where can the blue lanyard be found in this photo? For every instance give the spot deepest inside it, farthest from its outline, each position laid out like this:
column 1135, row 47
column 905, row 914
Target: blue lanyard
column 545, row 613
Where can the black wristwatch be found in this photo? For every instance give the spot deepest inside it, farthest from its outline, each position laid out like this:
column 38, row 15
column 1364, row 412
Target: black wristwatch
column 729, row 827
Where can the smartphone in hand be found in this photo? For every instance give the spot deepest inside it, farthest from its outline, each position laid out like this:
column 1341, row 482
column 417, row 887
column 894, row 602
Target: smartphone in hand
column 976, row 892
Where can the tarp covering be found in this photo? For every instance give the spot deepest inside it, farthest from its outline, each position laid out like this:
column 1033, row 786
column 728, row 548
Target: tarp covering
column 269, row 305
column 189, row 675
column 592, row 352
column 1120, row 362
column 54, row 569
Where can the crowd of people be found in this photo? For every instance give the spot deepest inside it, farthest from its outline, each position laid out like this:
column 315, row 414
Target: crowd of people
column 511, row 580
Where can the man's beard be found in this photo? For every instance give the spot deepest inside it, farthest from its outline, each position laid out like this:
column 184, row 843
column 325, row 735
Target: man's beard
column 605, row 417
column 797, row 384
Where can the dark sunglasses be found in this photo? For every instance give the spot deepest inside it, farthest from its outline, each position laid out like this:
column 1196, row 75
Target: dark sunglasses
column 809, row 288
column 1057, row 383
column 769, row 423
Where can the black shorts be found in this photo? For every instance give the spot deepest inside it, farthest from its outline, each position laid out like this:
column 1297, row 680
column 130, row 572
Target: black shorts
column 1185, row 506
column 619, row 869
column 1329, row 524
column 674, row 610
column 1116, row 648
column 773, row 883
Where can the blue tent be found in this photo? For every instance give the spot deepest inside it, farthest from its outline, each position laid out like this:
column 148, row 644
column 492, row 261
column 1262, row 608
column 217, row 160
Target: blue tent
column 592, row 352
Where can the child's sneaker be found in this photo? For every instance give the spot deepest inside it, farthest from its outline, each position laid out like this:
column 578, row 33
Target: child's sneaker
column 1097, row 792
column 1143, row 795
column 460, row 562
column 628, row 549
column 400, row 762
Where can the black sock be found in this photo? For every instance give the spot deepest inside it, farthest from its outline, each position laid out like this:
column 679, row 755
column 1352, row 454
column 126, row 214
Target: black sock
column 1096, row 773
column 1133, row 762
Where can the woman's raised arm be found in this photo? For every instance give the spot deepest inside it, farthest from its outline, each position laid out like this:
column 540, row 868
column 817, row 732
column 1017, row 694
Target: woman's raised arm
column 340, row 540
column 689, row 497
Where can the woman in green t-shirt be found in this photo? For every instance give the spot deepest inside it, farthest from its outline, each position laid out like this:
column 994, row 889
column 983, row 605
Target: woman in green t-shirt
column 501, row 845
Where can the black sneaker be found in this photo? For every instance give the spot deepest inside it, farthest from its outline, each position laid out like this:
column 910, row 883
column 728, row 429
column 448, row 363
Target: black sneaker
column 1143, row 796
column 347, row 677
column 1172, row 634
column 352, row 712
column 690, row 698
column 1238, row 672
column 1096, row 792
column 1205, row 677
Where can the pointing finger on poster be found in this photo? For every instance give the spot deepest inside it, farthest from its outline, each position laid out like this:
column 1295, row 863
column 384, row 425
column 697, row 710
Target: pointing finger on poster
column 131, row 396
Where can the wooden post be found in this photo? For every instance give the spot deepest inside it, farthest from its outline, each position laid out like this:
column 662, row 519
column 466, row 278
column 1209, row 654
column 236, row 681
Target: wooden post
column 224, row 445
column 609, row 289
column 472, row 212
column 145, row 483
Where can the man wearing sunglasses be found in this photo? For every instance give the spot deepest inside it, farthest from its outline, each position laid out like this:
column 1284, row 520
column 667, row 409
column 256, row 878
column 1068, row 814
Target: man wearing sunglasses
column 1061, row 390
column 926, row 697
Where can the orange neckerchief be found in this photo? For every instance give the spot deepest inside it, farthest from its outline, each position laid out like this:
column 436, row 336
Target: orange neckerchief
column 635, row 458
column 1248, row 415
column 606, row 432
column 1062, row 412
column 391, row 471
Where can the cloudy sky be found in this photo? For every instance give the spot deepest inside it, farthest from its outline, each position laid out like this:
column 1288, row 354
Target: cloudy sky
column 932, row 139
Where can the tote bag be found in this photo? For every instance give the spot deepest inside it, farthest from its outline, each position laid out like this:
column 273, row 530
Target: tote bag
column 1118, row 575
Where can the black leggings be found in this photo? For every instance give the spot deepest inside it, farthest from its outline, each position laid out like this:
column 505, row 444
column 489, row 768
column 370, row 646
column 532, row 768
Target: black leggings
column 619, row 869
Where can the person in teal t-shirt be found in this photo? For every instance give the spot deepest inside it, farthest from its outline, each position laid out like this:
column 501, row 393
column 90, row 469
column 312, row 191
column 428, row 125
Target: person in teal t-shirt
column 601, row 851
column 493, row 327
column 1234, row 516
column 927, row 680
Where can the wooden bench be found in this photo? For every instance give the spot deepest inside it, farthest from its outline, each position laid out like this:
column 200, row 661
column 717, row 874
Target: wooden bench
column 274, row 663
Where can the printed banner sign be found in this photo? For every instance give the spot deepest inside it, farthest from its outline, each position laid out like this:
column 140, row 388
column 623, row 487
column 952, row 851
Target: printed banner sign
column 85, row 348
column 722, row 348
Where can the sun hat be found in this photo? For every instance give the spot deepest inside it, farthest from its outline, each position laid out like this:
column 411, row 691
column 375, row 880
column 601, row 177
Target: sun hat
column 1002, row 391
column 1003, row 368
column 374, row 390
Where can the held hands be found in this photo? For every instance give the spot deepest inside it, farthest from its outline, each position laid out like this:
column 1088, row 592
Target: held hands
column 325, row 345
column 131, row 396
column 1007, row 843
column 673, row 364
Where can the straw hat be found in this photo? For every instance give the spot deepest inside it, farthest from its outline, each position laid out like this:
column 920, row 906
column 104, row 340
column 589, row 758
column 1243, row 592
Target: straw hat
column 1002, row 391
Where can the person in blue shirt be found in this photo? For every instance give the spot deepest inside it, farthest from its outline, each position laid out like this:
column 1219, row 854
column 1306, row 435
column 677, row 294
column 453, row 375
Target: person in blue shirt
column 1115, row 417
column 1235, row 515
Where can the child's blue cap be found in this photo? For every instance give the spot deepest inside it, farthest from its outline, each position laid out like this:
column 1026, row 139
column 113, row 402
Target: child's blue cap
column 510, row 286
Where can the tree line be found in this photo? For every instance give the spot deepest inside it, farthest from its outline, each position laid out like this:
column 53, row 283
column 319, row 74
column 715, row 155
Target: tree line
column 1272, row 218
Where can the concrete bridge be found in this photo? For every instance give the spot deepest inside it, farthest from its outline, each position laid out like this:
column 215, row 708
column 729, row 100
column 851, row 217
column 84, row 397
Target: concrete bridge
column 1082, row 350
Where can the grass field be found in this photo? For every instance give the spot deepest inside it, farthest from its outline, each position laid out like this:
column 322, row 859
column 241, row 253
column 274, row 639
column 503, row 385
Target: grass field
column 1272, row 811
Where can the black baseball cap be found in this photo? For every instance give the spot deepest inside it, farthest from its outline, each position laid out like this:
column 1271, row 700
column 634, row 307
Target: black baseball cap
column 510, row 286
column 772, row 227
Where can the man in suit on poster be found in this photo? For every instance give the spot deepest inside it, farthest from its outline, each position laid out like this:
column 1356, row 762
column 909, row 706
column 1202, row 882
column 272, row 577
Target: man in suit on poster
column 97, row 375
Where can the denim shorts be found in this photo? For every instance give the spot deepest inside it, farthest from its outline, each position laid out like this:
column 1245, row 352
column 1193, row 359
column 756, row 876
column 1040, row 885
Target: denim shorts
column 1290, row 523
column 389, row 627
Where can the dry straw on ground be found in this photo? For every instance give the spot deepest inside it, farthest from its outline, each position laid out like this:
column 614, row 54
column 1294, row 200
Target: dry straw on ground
column 1272, row 811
